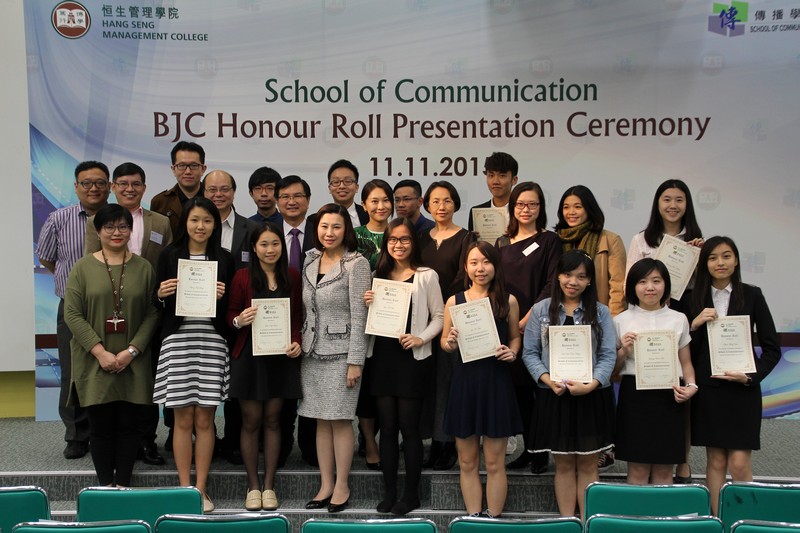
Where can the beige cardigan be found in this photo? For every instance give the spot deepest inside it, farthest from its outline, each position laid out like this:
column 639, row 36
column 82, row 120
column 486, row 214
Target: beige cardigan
column 609, row 272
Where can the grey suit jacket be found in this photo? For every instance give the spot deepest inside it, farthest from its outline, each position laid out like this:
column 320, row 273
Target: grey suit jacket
column 156, row 228
column 243, row 228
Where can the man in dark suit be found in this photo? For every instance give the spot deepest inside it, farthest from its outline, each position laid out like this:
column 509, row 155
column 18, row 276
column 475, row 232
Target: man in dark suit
column 294, row 195
column 343, row 186
column 501, row 170
column 220, row 187
column 151, row 233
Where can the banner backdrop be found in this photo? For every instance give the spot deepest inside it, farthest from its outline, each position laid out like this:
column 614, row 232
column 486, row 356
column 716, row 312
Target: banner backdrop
column 615, row 95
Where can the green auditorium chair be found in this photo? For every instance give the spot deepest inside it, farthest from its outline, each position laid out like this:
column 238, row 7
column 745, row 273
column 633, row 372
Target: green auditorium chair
column 602, row 523
column 646, row 500
column 400, row 525
column 96, row 504
column 764, row 526
column 759, row 501
column 22, row 504
column 468, row 524
column 226, row 523
column 112, row 526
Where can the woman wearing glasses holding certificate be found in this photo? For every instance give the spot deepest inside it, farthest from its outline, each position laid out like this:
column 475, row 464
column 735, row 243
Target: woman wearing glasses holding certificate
column 402, row 368
column 482, row 402
column 726, row 411
column 573, row 418
column 261, row 383
column 107, row 306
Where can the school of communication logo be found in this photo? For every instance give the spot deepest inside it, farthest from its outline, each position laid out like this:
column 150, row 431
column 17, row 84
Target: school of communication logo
column 71, row 20
column 728, row 20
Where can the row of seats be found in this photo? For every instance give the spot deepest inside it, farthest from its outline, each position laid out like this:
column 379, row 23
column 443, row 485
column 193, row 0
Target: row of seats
column 738, row 501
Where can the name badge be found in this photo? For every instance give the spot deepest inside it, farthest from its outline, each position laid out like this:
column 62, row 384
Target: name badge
column 245, row 257
column 530, row 249
column 156, row 237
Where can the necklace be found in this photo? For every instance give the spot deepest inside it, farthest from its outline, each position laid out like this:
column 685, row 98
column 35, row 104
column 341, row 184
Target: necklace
column 115, row 323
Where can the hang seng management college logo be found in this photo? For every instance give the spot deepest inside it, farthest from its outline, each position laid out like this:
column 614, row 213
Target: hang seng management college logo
column 71, row 20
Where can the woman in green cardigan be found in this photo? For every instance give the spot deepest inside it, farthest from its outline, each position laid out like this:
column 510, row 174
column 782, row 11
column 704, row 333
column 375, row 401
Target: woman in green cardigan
column 107, row 306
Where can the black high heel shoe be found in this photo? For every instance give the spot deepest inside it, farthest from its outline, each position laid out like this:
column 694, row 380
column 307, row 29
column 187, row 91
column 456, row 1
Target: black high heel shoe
column 338, row 507
column 319, row 504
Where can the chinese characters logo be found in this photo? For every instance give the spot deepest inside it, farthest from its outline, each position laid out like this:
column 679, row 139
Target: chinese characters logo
column 71, row 20
column 728, row 20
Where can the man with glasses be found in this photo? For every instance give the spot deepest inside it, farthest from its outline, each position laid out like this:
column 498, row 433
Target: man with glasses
column 501, row 170
column 343, row 186
column 150, row 234
column 188, row 166
column 262, row 190
column 59, row 247
column 407, row 201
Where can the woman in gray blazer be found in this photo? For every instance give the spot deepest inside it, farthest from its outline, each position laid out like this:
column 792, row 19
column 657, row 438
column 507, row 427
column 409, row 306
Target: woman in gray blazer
column 335, row 277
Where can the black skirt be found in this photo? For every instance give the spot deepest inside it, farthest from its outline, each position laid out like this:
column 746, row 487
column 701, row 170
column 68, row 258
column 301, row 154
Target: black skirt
column 727, row 416
column 264, row 377
column 395, row 372
column 569, row 424
column 650, row 425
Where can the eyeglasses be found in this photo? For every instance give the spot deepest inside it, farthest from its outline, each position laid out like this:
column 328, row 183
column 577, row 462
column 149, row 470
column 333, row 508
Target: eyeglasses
column 111, row 228
column 183, row 166
column 125, row 185
column 88, row 184
column 337, row 182
column 447, row 202
column 392, row 241
column 405, row 199
column 225, row 189
column 294, row 197
column 258, row 189
column 530, row 205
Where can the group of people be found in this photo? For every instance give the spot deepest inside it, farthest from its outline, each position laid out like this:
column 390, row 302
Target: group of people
column 123, row 347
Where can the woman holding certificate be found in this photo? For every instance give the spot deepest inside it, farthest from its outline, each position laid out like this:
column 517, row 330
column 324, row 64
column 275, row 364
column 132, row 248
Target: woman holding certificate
column 569, row 349
column 726, row 412
column 261, row 378
column 580, row 227
column 335, row 277
column 528, row 254
column 482, row 402
column 192, row 375
column 443, row 249
column 402, row 367
column 651, row 410
column 112, row 323
column 378, row 201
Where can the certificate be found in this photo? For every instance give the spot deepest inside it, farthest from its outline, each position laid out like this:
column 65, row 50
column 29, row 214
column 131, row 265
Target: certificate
column 477, row 333
column 570, row 353
column 196, row 295
column 388, row 312
column 656, row 356
column 680, row 258
column 272, row 333
column 490, row 222
column 730, row 346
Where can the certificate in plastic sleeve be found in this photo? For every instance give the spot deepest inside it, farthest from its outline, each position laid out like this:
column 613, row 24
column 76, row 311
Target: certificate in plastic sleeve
column 388, row 312
column 730, row 345
column 570, row 353
column 490, row 222
column 272, row 324
column 680, row 258
column 196, row 295
column 656, row 356
column 477, row 332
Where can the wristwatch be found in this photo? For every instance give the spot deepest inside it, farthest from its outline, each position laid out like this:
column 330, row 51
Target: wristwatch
column 134, row 352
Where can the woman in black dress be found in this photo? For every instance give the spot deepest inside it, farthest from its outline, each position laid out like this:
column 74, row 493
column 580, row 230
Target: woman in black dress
column 529, row 254
column 402, row 369
column 726, row 411
column 482, row 403
column 443, row 249
column 261, row 383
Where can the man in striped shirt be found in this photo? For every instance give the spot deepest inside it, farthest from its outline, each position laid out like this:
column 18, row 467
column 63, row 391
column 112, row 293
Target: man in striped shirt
column 59, row 248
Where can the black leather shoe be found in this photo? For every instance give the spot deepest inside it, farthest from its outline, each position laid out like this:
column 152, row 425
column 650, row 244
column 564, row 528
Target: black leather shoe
column 374, row 466
column 338, row 507
column 150, row 456
column 76, row 449
column 319, row 504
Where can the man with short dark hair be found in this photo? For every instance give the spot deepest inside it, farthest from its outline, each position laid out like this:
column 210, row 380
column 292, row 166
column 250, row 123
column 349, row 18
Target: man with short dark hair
column 188, row 166
column 343, row 186
column 59, row 247
column 262, row 190
column 501, row 170
column 407, row 201
column 150, row 235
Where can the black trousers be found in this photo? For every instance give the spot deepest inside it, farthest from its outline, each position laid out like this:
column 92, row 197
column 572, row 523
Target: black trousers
column 74, row 417
column 114, row 437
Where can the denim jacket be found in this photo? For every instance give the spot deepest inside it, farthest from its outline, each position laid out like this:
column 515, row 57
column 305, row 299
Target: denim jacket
column 536, row 349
